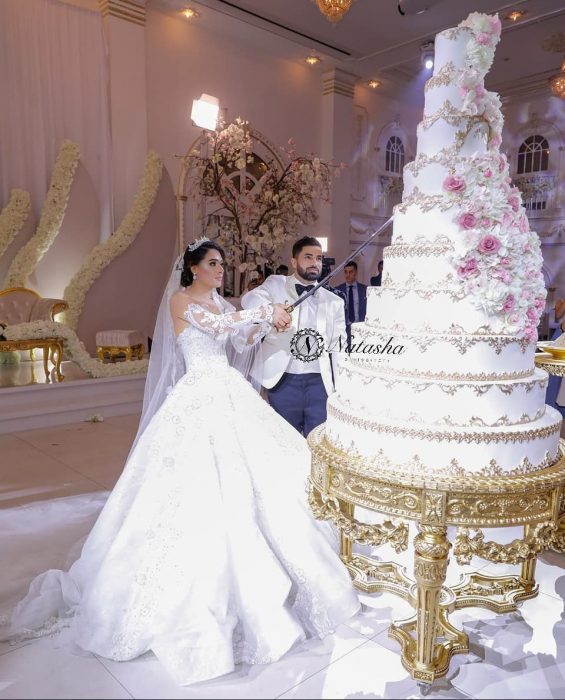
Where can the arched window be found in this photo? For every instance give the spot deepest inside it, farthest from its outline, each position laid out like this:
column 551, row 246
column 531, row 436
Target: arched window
column 394, row 156
column 533, row 155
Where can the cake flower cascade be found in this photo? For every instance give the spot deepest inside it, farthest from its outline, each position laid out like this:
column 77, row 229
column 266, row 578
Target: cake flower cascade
column 500, row 263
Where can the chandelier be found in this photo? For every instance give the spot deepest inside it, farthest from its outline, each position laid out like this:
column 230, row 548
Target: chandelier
column 557, row 83
column 334, row 9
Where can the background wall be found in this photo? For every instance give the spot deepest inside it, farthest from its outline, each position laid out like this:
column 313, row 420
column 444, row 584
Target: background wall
column 175, row 61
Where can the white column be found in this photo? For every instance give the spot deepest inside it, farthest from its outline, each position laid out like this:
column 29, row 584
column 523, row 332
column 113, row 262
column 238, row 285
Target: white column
column 337, row 146
column 124, row 25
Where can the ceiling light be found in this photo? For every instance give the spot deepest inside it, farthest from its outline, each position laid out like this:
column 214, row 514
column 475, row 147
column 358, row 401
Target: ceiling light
column 313, row 60
column 374, row 83
column 515, row 15
column 189, row 13
column 557, row 83
column 427, row 57
column 334, row 10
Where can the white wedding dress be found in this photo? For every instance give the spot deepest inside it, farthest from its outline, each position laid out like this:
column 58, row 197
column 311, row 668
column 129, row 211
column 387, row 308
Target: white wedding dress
column 205, row 552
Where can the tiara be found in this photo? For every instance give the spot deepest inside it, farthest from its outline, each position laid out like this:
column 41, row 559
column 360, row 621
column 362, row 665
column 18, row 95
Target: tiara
column 197, row 243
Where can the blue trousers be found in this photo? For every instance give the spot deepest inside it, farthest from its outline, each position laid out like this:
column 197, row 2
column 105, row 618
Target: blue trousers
column 301, row 400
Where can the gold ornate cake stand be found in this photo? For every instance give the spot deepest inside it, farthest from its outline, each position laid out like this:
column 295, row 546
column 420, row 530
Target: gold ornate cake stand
column 339, row 481
column 550, row 363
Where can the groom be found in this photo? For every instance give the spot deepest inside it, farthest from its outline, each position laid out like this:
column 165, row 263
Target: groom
column 298, row 384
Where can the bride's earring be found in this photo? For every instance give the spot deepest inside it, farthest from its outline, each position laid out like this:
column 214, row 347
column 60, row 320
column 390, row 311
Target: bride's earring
column 194, row 276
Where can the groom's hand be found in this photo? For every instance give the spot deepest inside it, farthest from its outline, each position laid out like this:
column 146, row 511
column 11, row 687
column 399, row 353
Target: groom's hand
column 281, row 318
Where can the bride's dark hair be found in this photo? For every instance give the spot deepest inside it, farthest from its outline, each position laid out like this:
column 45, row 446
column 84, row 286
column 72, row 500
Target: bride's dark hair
column 193, row 257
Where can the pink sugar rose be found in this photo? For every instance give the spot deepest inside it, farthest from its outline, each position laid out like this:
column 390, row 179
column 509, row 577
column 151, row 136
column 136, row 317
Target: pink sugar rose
column 514, row 319
column 483, row 38
column 514, row 201
column 507, row 219
column 527, row 294
column 467, row 220
column 495, row 24
column 501, row 163
column 480, row 91
column 523, row 225
column 495, row 141
column 531, row 333
column 485, row 223
column 509, row 304
column 503, row 275
column 505, row 262
column 469, row 269
column 453, row 184
column 488, row 244
column 539, row 303
column 532, row 314
column 488, row 173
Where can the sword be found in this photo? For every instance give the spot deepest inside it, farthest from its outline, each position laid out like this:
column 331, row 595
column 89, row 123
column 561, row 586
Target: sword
column 340, row 267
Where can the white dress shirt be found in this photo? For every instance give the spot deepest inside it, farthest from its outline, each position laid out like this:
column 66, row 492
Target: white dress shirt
column 306, row 319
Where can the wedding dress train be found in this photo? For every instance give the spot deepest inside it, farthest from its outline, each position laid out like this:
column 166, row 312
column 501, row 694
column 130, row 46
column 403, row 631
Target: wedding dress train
column 205, row 552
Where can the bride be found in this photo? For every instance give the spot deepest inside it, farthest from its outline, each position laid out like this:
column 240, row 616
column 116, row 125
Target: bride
column 205, row 552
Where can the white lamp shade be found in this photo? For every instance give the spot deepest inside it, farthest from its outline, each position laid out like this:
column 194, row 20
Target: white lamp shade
column 205, row 111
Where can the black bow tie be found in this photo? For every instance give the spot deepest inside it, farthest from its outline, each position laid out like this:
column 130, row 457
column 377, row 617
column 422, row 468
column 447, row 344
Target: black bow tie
column 300, row 288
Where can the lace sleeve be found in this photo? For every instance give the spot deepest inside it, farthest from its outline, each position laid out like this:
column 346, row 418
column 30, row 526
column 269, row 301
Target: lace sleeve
column 216, row 324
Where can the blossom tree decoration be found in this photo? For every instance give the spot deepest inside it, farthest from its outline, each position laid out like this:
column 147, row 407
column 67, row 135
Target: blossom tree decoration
column 263, row 202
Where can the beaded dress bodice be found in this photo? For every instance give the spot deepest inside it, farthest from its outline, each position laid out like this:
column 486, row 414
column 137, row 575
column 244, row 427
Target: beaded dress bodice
column 203, row 342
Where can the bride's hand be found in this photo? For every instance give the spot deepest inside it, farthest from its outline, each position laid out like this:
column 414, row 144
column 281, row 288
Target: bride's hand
column 281, row 317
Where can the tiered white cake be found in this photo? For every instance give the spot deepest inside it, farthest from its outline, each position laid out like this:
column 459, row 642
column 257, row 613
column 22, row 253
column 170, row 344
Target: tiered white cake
column 461, row 299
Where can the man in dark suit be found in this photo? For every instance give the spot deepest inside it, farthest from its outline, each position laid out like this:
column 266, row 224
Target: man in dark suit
column 355, row 295
column 376, row 280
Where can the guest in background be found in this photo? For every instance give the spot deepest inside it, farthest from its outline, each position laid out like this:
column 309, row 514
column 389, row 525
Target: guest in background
column 256, row 278
column 376, row 280
column 553, row 392
column 355, row 294
column 282, row 270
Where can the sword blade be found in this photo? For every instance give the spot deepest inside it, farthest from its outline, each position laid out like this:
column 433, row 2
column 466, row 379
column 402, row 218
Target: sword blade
column 340, row 267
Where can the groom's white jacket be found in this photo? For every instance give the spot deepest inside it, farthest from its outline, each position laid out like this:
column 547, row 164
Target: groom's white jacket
column 330, row 323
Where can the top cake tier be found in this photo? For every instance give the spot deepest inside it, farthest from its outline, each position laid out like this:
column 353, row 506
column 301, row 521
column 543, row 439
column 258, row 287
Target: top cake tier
column 450, row 62
column 460, row 116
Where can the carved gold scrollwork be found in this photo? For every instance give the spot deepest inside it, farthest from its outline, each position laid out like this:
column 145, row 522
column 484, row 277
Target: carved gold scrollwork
column 466, row 546
column 325, row 508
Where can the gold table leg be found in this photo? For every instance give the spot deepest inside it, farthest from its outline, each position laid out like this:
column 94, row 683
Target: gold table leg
column 427, row 639
column 46, row 362
column 431, row 548
column 56, row 354
column 345, row 543
column 528, row 572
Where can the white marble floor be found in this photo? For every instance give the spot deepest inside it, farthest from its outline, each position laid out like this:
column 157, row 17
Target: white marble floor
column 518, row 655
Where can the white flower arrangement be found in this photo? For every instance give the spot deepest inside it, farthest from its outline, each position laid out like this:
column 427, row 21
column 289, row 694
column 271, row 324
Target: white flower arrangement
column 74, row 348
column 260, row 220
column 51, row 217
column 13, row 217
column 498, row 259
column 103, row 254
column 485, row 35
